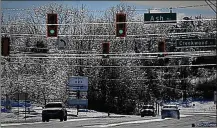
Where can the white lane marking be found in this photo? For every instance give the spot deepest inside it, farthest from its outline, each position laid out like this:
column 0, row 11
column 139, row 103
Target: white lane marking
column 186, row 115
column 131, row 122
column 17, row 124
column 197, row 113
column 213, row 116
column 2, row 125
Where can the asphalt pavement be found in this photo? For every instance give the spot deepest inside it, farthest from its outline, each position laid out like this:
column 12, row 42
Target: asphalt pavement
column 185, row 121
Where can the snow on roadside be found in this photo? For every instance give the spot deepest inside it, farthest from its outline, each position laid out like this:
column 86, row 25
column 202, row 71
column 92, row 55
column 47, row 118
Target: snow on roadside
column 72, row 112
column 91, row 113
column 206, row 107
column 195, row 107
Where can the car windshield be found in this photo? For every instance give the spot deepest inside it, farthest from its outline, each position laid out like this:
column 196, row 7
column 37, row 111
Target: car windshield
column 148, row 107
column 53, row 106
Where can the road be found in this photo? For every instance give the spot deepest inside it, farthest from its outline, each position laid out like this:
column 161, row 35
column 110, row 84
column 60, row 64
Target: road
column 185, row 121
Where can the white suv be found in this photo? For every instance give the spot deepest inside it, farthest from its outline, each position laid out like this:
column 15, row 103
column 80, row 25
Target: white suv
column 170, row 111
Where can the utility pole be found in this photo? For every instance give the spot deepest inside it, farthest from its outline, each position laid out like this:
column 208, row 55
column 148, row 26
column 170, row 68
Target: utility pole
column 183, row 70
column 105, row 72
column 78, row 97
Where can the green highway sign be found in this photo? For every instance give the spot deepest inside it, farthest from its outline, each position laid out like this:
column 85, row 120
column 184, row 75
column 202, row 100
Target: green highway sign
column 195, row 42
column 167, row 17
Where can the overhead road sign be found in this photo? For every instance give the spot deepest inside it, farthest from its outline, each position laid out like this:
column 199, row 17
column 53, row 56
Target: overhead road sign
column 161, row 17
column 195, row 42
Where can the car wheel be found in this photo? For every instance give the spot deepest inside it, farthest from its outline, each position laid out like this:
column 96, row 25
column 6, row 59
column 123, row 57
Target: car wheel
column 142, row 115
column 178, row 117
column 61, row 119
column 162, row 117
column 65, row 118
column 43, row 119
column 47, row 119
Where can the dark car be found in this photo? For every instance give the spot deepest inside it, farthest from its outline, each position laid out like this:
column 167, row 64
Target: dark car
column 148, row 110
column 170, row 111
column 54, row 110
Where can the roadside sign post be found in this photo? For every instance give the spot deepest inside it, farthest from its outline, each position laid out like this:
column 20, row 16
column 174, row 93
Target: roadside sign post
column 78, row 96
column 215, row 97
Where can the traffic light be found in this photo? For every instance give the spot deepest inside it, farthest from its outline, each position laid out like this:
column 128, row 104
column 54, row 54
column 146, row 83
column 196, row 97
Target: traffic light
column 5, row 46
column 161, row 48
column 52, row 29
column 121, row 27
column 105, row 49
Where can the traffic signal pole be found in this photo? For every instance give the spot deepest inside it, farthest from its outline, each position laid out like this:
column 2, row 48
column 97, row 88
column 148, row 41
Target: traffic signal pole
column 105, row 57
column 106, row 85
column 0, row 70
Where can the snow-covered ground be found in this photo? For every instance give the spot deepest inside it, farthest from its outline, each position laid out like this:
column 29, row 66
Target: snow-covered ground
column 199, row 107
column 34, row 115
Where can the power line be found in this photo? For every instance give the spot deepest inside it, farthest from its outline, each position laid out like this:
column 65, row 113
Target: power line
column 124, row 54
column 44, row 35
column 145, row 79
column 109, row 23
column 136, row 37
column 129, row 58
column 124, row 66
column 210, row 5
column 112, row 39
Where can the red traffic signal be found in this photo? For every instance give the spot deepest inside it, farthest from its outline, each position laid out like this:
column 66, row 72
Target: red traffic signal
column 105, row 48
column 161, row 48
column 121, row 27
column 5, row 46
column 52, row 29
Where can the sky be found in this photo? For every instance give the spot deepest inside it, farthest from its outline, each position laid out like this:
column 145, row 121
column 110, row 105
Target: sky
column 103, row 5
